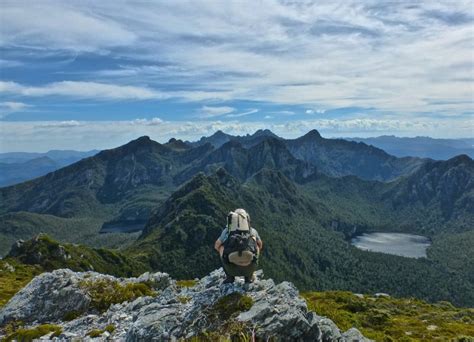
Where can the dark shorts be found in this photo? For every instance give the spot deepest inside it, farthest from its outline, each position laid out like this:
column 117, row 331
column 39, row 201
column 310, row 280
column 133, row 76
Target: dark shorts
column 239, row 271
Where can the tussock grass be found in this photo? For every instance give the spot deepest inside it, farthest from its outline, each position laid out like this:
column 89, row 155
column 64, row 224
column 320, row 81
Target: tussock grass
column 394, row 319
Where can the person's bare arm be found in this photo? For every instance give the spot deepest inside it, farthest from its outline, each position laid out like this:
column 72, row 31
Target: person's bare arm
column 217, row 245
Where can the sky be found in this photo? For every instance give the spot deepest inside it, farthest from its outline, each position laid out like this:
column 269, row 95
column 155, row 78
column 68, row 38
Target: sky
column 95, row 74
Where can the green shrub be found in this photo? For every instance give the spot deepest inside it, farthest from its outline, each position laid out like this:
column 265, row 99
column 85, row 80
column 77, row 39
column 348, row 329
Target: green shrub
column 95, row 333
column 186, row 283
column 184, row 299
column 72, row 315
column 104, row 292
column 26, row 335
column 231, row 305
column 110, row 328
column 98, row 332
column 12, row 282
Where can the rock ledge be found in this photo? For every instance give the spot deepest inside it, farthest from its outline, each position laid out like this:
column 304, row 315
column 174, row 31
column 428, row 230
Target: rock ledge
column 277, row 311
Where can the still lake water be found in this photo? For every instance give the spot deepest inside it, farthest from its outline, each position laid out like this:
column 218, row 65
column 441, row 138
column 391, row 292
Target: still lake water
column 407, row 245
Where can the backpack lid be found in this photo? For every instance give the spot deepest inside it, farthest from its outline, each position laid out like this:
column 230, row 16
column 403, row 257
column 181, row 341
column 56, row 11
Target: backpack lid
column 238, row 220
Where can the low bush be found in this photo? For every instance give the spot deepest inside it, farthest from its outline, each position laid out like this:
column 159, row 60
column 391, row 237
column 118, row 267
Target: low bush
column 27, row 335
column 104, row 292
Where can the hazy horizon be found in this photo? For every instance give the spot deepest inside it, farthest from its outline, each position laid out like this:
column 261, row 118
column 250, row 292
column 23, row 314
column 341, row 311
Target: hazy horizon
column 163, row 140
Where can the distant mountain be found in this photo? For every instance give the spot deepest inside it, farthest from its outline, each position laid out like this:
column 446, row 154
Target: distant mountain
column 220, row 138
column 17, row 167
column 13, row 173
column 334, row 157
column 439, row 191
column 243, row 162
column 338, row 157
column 101, row 184
column 424, row 147
column 61, row 157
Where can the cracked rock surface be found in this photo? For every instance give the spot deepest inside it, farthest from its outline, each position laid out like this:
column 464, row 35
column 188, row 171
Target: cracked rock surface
column 175, row 313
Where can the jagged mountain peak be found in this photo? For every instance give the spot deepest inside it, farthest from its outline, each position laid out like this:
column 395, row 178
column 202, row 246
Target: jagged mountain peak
column 219, row 133
column 141, row 144
column 177, row 144
column 462, row 158
column 264, row 133
column 311, row 135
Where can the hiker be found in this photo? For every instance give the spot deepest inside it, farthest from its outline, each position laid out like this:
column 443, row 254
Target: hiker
column 239, row 246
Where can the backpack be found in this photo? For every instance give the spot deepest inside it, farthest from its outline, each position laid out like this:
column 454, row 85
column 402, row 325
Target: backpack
column 240, row 248
column 238, row 220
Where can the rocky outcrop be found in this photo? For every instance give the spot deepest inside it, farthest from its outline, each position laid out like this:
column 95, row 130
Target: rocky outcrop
column 175, row 312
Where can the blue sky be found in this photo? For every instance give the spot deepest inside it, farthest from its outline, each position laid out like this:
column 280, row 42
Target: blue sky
column 92, row 74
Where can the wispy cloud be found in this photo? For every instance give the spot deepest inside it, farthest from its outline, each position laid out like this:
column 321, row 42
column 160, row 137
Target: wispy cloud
column 88, row 90
column 147, row 122
column 209, row 111
column 60, row 124
column 247, row 112
column 7, row 108
column 57, row 25
column 315, row 111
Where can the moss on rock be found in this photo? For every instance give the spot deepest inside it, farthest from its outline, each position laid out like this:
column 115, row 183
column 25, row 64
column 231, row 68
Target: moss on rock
column 231, row 305
column 105, row 292
column 27, row 335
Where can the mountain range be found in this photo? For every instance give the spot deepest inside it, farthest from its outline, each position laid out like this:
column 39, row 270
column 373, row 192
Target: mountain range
column 306, row 196
column 17, row 167
column 424, row 147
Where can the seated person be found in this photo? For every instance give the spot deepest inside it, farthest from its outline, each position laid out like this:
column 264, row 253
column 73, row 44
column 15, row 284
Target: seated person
column 239, row 246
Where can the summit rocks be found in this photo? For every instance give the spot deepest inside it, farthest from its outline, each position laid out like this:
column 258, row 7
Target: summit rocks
column 175, row 312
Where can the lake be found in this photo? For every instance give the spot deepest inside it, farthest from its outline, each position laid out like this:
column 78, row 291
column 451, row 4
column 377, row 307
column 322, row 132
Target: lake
column 407, row 245
column 121, row 228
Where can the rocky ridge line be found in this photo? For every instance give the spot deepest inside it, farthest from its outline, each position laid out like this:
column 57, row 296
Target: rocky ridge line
column 175, row 313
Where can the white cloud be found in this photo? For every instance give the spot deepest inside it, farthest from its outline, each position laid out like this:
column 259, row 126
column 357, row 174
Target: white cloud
column 86, row 135
column 209, row 112
column 59, row 25
column 13, row 106
column 60, row 124
column 86, row 90
column 315, row 111
column 248, row 112
column 9, row 107
column 398, row 58
column 147, row 122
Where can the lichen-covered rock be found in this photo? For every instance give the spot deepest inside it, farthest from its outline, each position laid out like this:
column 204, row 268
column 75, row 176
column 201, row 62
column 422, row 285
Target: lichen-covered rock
column 270, row 310
column 51, row 296
column 47, row 297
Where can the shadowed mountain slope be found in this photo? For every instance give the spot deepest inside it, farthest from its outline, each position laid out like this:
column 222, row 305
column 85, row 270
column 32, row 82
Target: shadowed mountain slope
column 338, row 157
